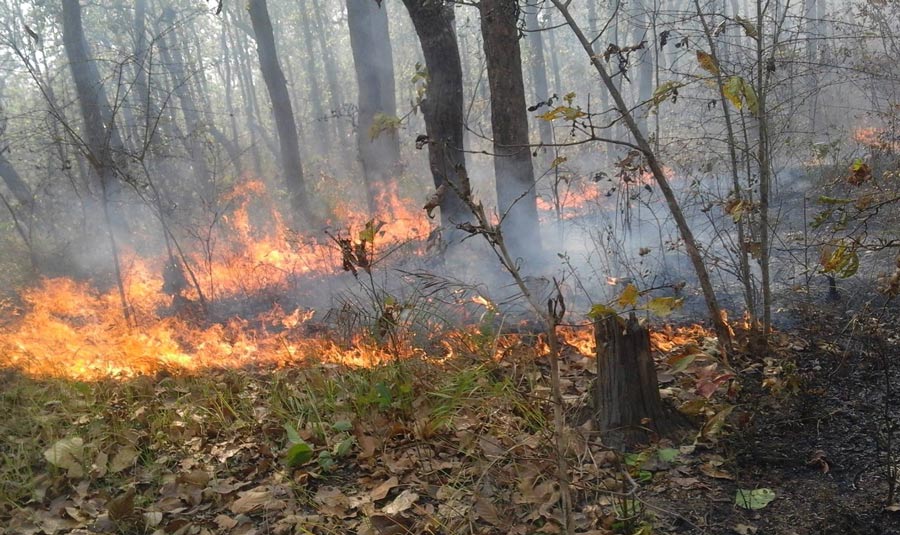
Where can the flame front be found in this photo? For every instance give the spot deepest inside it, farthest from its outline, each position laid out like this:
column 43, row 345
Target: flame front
column 71, row 329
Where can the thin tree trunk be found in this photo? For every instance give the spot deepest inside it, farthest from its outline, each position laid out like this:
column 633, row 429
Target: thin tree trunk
column 321, row 128
column 335, row 95
column 690, row 243
column 284, row 114
column 514, row 174
column 538, row 72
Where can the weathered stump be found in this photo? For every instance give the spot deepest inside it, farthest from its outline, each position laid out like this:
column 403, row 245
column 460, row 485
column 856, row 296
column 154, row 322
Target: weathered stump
column 627, row 404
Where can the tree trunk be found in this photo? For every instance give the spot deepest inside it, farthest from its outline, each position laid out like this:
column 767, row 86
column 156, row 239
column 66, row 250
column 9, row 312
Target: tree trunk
column 443, row 108
column 626, row 393
column 102, row 137
column 684, row 229
column 173, row 58
column 379, row 151
column 335, row 96
column 514, row 174
column 281, row 104
column 538, row 73
column 321, row 128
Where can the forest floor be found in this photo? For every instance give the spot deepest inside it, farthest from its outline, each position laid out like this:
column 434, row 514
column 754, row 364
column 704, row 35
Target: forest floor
column 795, row 443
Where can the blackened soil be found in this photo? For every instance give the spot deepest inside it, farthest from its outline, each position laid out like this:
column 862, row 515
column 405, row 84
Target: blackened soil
column 825, row 448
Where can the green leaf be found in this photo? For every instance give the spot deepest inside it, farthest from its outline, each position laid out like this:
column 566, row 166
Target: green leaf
column 629, row 296
column 326, row 461
column 599, row 311
column 384, row 395
column 342, row 448
column 298, row 454
column 293, row 436
column 559, row 160
column 342, row 426
column 383, row 122
column 824, row 199
column 754, row 499
column 667, row 455
column 562, row 112
column 663, row 306
column 664, row 91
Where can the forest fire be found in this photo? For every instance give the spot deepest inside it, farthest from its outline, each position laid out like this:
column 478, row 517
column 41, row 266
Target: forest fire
column 68, row 328
column 877, row 139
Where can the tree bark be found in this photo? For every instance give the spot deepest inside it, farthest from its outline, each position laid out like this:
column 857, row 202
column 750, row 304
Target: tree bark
column 538, row 73
column 379, row 152
column 175, row 63
column 513, row 171
column 626, row 392
column 335, row 96
column 321, row 128
column 281, row 103
column 443, row 108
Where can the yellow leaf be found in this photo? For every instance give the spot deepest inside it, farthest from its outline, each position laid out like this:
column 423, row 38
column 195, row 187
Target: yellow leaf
column 663, row 306
column 559, row 160
column 629, row 296
column 707, row 62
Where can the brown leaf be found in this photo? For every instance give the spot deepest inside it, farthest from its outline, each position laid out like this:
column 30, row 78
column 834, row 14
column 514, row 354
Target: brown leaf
column 258, row 498
column 381, row 491
column 488, row 512
column 401, row 503
column 387, row 525
column 121, row 507
column 124, row 458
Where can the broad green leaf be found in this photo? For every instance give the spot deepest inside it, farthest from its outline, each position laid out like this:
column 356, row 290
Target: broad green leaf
column 326, row 461
column 668, row 455
column 342, row 448
column 733, row 91
column 663, row 306
column 664, row 91
column 293, row 436
column 754, row 499
column 342, row 425
column 629, row 296
column 298, row 454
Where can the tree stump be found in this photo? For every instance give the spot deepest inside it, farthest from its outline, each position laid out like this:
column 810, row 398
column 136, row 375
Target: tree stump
column 627, row 404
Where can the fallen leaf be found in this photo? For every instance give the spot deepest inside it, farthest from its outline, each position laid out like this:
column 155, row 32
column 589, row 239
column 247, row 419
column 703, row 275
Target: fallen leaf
column 754, row 499
column 401, row 503
column 68, row 454
column 744, row 529
column 258, row 498
column 488, row 512
column 381, row 491
column 124, row 458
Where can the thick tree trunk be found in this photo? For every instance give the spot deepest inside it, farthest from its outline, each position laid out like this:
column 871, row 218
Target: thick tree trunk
column 379, row 151
column 102, row 137
column 284, row 114
column 514, row 174
column 19, row 188
column 626, row 393
column 443, row 107
column 538, row 73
